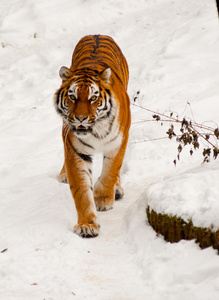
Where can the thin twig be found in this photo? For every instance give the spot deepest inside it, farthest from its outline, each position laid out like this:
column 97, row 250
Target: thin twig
column 201, row 135
column 169, row 118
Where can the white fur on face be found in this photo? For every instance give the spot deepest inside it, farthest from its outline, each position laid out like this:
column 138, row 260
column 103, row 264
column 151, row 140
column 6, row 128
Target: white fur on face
column 94, row 91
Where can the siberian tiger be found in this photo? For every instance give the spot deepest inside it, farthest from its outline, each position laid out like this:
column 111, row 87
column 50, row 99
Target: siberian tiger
column 95, row 108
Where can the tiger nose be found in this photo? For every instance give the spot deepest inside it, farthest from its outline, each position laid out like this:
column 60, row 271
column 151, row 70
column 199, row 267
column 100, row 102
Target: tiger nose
column 81, row 118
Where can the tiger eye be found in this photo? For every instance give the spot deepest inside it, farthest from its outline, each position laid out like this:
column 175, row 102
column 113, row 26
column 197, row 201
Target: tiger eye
column 72, row 97
column 93, row 98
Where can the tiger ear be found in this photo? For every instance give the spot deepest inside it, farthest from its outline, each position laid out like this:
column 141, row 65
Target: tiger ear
column 105, row 75
column 65, row 73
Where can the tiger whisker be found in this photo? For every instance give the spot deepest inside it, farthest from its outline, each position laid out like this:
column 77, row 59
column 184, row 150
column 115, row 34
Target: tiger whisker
column 66, row 129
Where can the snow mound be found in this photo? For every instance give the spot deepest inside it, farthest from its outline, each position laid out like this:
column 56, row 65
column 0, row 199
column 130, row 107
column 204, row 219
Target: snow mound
column 191, row 195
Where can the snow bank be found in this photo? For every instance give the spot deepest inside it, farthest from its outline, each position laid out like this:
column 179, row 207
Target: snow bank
column 191, row 195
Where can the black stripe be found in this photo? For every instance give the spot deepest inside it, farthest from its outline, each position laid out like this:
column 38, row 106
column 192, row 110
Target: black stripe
column 105, row 108
column 108, row 131
column 57, row 100
column 86, row 172
column 83, row 156
column 85, row 144
column 113, row 139
column 111, row 105
column 97, row 39
column 59, row 111
column 108, row 92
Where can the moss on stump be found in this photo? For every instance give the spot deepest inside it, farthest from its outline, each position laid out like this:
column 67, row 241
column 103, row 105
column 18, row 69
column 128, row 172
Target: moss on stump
column 175, row 229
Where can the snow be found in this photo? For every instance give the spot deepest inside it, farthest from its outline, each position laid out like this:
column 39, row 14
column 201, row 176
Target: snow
column 175, row 195
column 172, row 49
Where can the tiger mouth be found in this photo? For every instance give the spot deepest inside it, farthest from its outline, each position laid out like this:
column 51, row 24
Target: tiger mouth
column 81, row 127
column 82, row 130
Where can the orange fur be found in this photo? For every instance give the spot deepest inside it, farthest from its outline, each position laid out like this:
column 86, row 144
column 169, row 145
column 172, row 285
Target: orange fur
column 98, row 67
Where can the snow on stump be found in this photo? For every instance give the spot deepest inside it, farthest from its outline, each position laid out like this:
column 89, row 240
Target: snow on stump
column 186, row 206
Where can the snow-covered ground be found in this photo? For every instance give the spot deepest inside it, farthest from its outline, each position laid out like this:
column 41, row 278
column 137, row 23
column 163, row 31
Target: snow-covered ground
column 172, row 49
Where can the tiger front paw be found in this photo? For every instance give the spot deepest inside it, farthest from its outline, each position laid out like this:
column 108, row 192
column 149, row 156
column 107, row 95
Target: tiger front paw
column 103, row 197
column 63, row 175
column 119, row 193
column 87, row 230
column 104, row 203
column 62, row 178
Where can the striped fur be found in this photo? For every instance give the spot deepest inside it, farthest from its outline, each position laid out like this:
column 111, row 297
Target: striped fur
column 94, row 105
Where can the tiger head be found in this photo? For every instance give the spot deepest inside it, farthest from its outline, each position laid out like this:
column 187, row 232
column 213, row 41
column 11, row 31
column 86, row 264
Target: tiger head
column 83, row 99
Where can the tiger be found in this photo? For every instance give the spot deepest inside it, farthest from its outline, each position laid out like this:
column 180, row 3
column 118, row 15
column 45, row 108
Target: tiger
column 95, row 109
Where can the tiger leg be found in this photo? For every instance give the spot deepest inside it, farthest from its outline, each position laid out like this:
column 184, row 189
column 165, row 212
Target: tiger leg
column 78, row 168
column 119, row 193
column 62, row 177
column 108, row 184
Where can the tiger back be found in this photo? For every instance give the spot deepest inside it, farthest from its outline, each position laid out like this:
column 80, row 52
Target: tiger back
column 99, row 52
column 95, row 108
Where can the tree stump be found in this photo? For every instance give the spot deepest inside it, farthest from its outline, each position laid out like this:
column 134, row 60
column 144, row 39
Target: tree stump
column 175, row 229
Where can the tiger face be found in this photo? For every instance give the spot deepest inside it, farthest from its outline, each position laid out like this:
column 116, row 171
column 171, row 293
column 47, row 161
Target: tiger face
column 84, row 101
